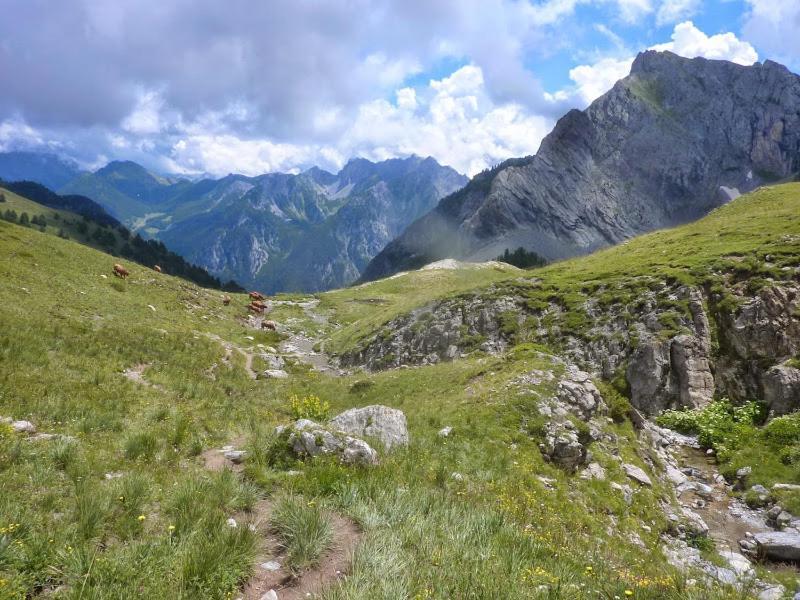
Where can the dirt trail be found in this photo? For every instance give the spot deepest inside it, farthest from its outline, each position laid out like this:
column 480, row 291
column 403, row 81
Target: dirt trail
column 270, row 571
column 230, row 348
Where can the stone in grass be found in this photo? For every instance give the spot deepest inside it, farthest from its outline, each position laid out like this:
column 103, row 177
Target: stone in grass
column 381, row 422
column 235, row 456
column 271, row 565
column 270, row 595
column 23, row 427
column 445, row 431
column 275, row 374
column 637, row 474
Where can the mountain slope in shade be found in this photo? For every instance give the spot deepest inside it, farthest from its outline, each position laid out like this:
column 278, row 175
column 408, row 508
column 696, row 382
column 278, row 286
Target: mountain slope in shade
column 306, row 232
column 48, row 169
column 126, row 189
column 667, row 144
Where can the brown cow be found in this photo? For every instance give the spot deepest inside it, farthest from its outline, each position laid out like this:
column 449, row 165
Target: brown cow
column 258, row 303
column 256, row 296
column 271, row 325
column 226, row 300
column 120, row 271
column 157, row 269
column 252, row 307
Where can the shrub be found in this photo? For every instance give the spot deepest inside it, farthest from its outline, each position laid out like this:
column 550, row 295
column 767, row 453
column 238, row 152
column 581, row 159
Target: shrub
column 309, row 407
column 783, row 431
column 619, row 407
column 719, row 425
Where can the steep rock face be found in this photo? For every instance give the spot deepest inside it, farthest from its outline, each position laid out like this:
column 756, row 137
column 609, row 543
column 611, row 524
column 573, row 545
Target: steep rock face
column 667, row 144
column 675, row 366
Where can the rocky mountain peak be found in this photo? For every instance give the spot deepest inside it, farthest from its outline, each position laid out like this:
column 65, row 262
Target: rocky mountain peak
column 667, row 144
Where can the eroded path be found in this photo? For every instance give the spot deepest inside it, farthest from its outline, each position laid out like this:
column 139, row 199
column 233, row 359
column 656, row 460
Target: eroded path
column 270, row 570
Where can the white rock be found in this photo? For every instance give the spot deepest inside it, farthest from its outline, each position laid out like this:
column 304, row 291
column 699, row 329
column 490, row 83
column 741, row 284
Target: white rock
column 637, row 474
column 271, row 565
column 270, row 595
column 445, row 431
column 737, row 562
column 275, row 374
column 386, row 424
column 23, row 427
column 235, row 456
column 232, row 523
column 151, row 307
column 594, row 471
column 675, row 475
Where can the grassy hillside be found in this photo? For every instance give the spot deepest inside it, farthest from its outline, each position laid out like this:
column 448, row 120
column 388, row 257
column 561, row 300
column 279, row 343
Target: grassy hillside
column 103, row 235
column 124, row 505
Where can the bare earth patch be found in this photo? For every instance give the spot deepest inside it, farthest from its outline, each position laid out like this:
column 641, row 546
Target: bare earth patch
column 269, row 570
column 332, row 566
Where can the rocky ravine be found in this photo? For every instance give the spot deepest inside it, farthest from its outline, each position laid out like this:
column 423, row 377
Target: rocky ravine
column 669, row 359
column 664, row 146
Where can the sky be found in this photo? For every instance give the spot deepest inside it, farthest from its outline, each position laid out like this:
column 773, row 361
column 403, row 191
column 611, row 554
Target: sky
column 254, row 86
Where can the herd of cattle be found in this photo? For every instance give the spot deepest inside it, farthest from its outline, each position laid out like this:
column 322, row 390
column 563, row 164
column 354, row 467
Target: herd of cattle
column 257, row 300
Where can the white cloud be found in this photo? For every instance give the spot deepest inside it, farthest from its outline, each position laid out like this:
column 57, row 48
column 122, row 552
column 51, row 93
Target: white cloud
column 689, row 41
column 596, row 79
column 452, row 119
column 593, row 80
column 145, row 118
column 672, row 11
column 773, row 25
column 632, row 11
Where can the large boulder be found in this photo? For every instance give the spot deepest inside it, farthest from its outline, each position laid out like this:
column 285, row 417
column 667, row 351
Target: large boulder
column 376, row 421
column 778, row 545
column 781, row 389
column 309, row 439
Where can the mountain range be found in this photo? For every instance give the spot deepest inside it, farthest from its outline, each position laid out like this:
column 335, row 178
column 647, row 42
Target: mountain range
column 667, row 144
column 276, row 232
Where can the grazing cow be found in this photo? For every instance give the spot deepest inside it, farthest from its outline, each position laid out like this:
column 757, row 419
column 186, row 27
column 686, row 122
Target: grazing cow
column 252, row 307
column 157, row 269
column 258, row 303
column 226, row 300
column 120, row 271
column 271, row 325
column 256, row 296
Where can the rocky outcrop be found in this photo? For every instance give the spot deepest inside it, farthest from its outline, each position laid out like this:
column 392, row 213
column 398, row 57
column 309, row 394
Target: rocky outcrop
column 578, row 398
column 654, row 151
column 307, row 438
column 766, row 327
column 441, row 331
column 781, row 388
column 684, row 364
